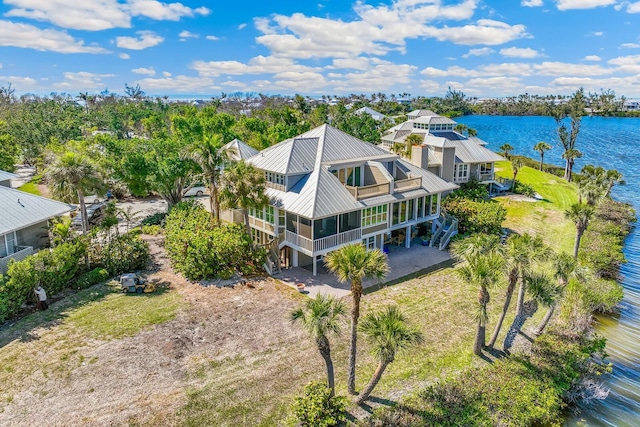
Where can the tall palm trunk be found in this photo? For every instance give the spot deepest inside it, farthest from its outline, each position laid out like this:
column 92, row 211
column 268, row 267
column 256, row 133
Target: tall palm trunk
column 373, row 382
column 245, row 214
column 483, row 300
column 214, row 213
column 545, row 320
column 325, row 351
column 85, row 223
column 541, row 160
column 513, row 279
column 521, row 294
column 518, row 322
column 576, row 245
column 356, row 292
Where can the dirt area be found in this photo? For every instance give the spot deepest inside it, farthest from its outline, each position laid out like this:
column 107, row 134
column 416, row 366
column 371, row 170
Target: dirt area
column 145, row 378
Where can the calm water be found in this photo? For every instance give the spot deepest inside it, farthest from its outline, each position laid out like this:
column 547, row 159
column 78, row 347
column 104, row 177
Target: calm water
column 613, row 143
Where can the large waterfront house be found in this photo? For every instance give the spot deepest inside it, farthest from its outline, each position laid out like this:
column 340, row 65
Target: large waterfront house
column 328, row 189
column 451, row 155
column 23, row 222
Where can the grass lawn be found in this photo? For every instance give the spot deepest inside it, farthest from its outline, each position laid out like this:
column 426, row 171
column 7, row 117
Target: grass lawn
column 230, row 357
column 32, row 186
column 546, row 217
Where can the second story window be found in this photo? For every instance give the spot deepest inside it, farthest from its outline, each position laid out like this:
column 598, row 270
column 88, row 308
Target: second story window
column 374, row 215
column 460, row 172
column 274, row 178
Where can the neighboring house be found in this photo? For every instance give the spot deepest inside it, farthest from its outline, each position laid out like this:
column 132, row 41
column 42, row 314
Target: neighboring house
column 451, row 155
column 328, row 189
column 5, row 178
column 23, row 223
column 631, row 105
column 373, row 113
column 239, row 150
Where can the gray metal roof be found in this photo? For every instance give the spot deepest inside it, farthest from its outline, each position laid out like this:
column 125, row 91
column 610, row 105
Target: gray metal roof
column 430, row 182
column 19, row 210
column 468, row 151
column 420, row 113
column 373, row 113
column 240, row 150
column 433, row 120
column 5, row 176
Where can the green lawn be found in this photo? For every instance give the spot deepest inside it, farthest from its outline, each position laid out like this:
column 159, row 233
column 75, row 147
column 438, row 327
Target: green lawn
column 546, row 217
column 32, row 186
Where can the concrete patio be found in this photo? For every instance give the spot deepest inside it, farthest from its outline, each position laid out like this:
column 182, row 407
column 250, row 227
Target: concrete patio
column 402, row 262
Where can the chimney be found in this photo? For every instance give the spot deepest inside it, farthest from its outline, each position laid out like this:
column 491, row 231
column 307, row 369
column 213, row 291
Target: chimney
column 420, row 155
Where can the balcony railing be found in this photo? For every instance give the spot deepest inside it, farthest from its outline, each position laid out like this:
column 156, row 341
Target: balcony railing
column 408, row 184
column 484, row 176
column 21, row 253
column 368, row 190
column 325, row 242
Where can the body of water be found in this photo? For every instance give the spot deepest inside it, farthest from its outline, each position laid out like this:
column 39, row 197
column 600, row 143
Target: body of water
column 613, row 143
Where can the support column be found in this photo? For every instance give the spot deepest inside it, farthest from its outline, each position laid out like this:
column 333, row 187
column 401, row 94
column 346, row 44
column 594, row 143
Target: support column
column 315, row 265
column 407, row 236
column 294, row 257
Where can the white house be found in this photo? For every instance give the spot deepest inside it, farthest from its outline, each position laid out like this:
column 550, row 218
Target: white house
column 328, row 189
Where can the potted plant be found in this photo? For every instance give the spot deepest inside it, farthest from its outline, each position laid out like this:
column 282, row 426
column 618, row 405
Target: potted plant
column 300, row 287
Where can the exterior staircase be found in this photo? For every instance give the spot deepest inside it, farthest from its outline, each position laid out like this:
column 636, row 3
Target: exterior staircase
column 446, row 228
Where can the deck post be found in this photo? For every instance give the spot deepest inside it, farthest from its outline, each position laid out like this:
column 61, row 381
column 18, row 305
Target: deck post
column 315, row 265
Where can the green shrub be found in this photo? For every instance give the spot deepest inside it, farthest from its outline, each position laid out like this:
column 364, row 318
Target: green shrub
column 91, row 278
column 123, row 253
column 471, row 190
column 198, row 249
column 154, row 219
column 152, row 230
column 524, row 189
column 476, row 217
column 53, row 269
column 317, row 408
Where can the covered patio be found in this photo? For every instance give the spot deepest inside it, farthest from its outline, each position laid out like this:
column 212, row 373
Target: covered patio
column 402, row 262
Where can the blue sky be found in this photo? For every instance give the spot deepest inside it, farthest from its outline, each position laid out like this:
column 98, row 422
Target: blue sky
column 422, row 47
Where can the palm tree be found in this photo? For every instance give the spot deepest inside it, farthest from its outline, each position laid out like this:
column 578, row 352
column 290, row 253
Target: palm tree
column 523, row 251
column 476, row 244
column 612, row 178
column 482, row 271
column 129, row 215
column 541, row 147
column 389, row 334
column 542, row 288
column 516, row 165
column 580, row 214
column 570, row 156
column 354, row 263
column 243, row 188
column 72, row 171
column 564, row 265
column 320, row 317
column 207, row 152
column 506, row 149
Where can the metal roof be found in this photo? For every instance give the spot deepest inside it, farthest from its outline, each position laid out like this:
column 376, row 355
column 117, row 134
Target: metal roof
column 430, row 182
column 20, row 210
column 468, row 151
column 5, row 176
column 240, row 150
column 421, row 113
column 373, row 113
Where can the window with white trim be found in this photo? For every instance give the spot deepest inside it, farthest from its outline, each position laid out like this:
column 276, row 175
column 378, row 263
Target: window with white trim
column 460, row 172
column 374, row 215
column 274, row 178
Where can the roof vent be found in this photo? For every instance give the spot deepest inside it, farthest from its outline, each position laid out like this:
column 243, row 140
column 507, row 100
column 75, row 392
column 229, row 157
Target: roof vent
column 20, row 203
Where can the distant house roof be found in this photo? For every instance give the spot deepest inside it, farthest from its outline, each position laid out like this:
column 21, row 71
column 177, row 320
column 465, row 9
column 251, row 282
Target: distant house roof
column 240, row 150
column 19, row 210
column 469, row 151
column 6, row 176
column 373, row 113
column 420, row 113
column 319, row 193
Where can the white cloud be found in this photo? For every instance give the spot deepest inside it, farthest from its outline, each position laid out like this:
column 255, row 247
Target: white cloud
column 144, row 71
column 627, row 64
column 188, row 35
column 95, row 15
column 582, row 4
column 257, row 65
column 28, row 36
column 597, row 34
column 300, row 81
column 478, row 52
column 20, row 82
column 82, row 81
column 378, row 30
column 486, row 31
column 241, row 26
column 214, row 38
column 567, row 69
column 630, row 45
column 531, row 3
column 592, row 58
column 179, row 84
column 147, row 39
column 377, row 75
column 166, row 74
column 518, row 52
column 633, row 7
column 124, row 56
